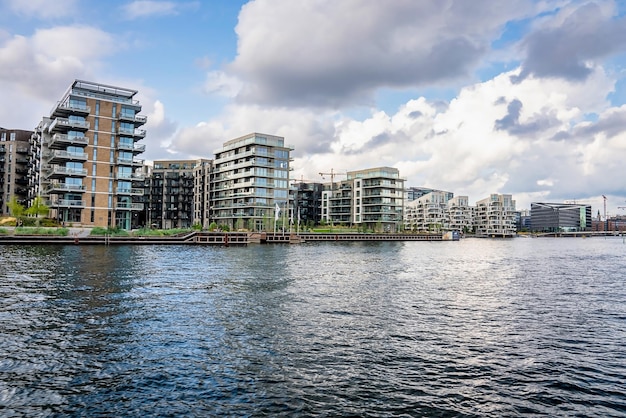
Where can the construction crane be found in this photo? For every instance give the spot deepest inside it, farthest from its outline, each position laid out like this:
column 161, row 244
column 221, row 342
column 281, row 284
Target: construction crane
column 606, row 220
column 332, row 175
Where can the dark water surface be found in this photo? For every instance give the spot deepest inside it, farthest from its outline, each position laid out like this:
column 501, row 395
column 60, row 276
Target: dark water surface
column 484, row 328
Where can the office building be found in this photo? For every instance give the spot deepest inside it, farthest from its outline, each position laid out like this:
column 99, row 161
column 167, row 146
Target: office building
column 560, row 217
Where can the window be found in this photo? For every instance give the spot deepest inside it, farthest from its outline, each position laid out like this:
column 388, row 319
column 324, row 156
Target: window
column 127, row 112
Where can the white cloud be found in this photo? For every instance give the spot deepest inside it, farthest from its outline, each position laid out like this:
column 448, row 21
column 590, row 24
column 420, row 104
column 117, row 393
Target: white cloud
column 43, row 9
column 35, row 71
column 219, row 82
column 150, row 8
column 459, row 147
column 304, row 53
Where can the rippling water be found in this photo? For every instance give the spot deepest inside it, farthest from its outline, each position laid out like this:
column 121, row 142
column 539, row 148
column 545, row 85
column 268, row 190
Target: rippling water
column 470, row 328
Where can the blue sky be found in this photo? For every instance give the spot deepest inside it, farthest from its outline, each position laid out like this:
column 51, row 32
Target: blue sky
column 522, row 97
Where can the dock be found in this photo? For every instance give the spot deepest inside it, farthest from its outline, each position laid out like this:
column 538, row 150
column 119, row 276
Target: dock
column 225, row 239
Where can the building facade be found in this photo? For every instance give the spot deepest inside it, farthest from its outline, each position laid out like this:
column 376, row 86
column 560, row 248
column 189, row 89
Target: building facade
column 427, row 213
column 460, row 214
column 171, row 188
column 201, row 193
column 560, row 217
column 87, row 151
column 495, row 216
column 307, row 202
column 250, row 182
column 14, row 167
column 372, row 199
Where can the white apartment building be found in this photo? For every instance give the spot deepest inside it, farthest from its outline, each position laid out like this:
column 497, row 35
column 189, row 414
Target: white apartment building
column 250, row 180
column 460, row 214
column 428, row 213
column 495, row 216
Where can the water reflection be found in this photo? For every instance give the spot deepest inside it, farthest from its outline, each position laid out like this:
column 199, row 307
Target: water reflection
column 478, row 327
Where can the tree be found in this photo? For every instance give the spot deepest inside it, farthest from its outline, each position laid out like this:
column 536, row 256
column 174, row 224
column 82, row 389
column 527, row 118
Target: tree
column 38, row 208
column 16, row 209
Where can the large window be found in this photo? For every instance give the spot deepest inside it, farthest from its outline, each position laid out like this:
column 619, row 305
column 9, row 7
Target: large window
column 127, row 112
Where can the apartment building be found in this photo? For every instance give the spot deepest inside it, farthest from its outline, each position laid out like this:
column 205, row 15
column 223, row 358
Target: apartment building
column 171, row 191
column 428, row 213
column 202, row 197
column 14, row 161
column 250, row 180
column 412, row 193
column 372, row 198
column 495, row 216
column 307, row 202
column 87, row 149
column 460, row 214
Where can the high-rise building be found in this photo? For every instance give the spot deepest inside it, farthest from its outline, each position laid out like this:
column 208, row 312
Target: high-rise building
column 250, row 182
column 87, row 150
column 14, row 161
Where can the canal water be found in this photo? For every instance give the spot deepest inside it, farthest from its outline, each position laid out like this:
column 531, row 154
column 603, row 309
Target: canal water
column 479, row 327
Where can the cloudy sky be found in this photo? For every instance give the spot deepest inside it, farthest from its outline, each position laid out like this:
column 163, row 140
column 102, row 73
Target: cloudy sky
column 475, row 97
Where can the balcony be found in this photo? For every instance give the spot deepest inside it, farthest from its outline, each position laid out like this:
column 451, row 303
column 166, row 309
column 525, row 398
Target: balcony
column 63, row 140
column 129, row 206
column 60, row 172
column 138, row 120
column 65, row 188
column 64, row 124
column 135, row 148
column 136, row 133
column 66, row 203
column 130, row 161
column 130, row 192
column 57, row 156
column 65, row 109
column 130, row 176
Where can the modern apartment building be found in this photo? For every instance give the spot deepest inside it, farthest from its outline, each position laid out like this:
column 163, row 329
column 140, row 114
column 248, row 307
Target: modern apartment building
column 428, row 213
column 250, row 180
column 307, row 202
column 87, row 150
column 202, row 193
column 174, row 189
column 460, row 214
column 560, row 217
column 372, row 198
column 495, row 216
column 14, row 161
column 412, row 193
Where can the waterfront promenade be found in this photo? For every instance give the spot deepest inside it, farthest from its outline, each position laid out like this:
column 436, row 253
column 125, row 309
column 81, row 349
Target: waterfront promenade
column 81, row 236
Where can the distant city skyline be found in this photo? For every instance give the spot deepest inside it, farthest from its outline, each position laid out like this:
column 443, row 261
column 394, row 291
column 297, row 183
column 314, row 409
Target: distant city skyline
column 524, row 97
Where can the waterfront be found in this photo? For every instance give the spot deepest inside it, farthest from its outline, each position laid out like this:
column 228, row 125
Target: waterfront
column 474, row 328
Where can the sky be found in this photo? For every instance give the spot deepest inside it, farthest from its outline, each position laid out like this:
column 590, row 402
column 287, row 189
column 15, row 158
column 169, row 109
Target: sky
column 523, row 97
